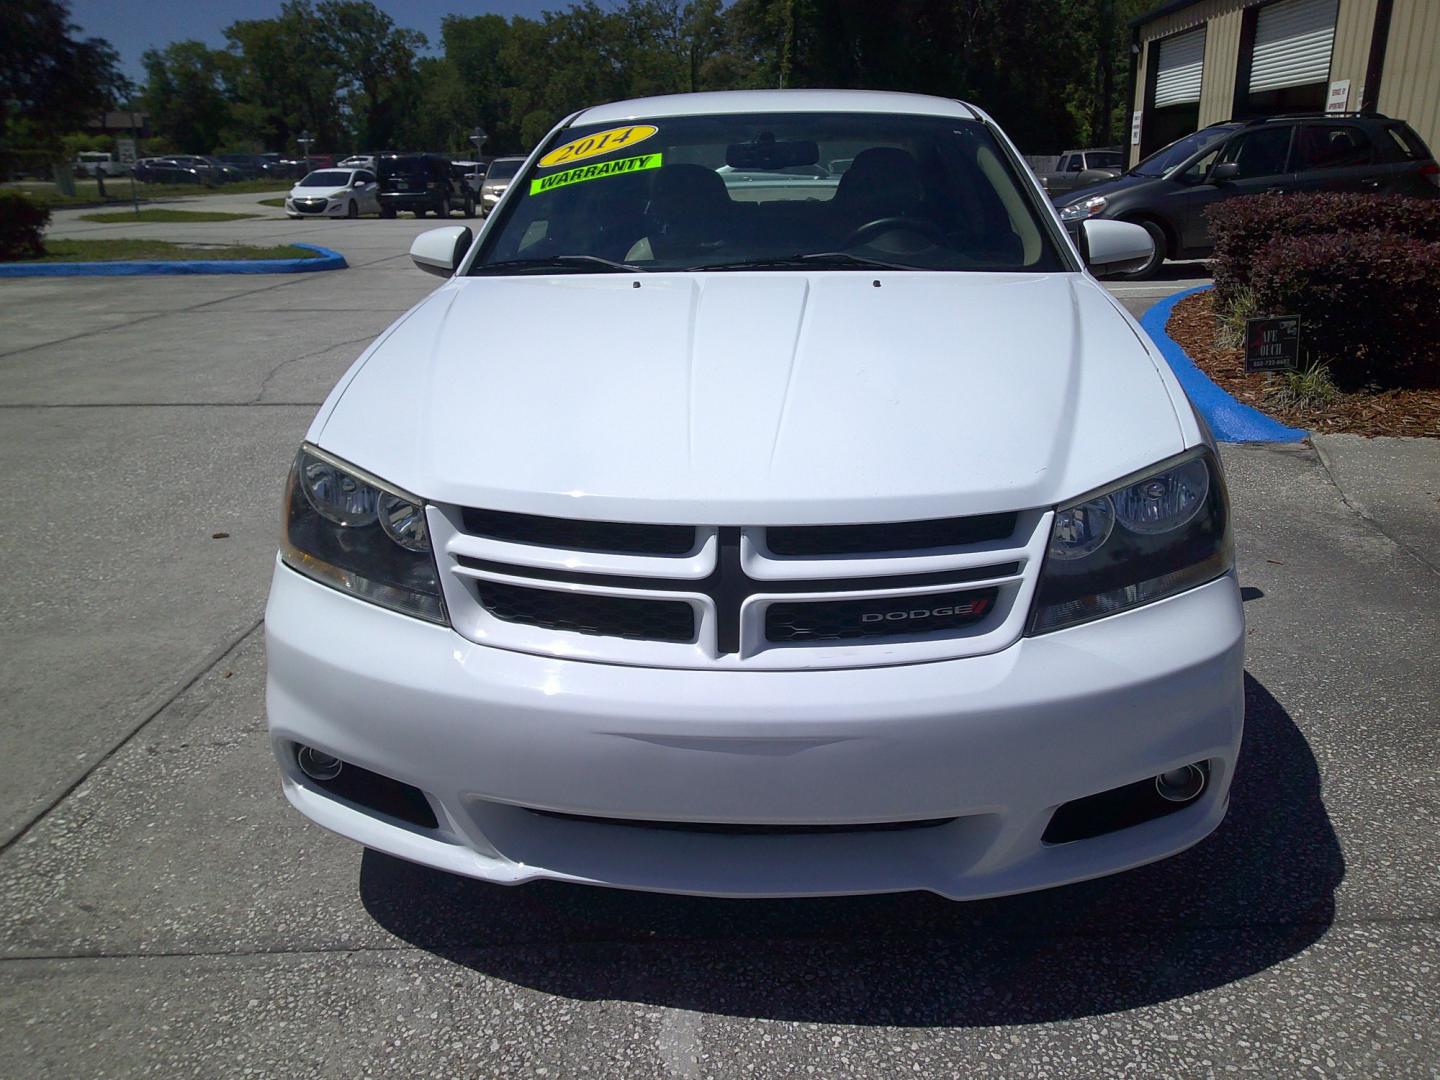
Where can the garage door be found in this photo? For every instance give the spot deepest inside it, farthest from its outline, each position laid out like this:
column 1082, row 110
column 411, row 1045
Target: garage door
column 1292, row 44
column 1179, row 69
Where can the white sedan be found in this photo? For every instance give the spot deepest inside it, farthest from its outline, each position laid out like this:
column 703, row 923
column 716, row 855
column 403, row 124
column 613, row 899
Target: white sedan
column 850, row 540
column 334, row 193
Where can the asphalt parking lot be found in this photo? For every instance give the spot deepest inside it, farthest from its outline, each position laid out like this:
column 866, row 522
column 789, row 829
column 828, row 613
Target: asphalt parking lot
column 162, row 910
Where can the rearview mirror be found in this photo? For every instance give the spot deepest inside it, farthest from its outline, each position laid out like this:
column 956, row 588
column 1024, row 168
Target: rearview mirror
column 439, row 251
column 1115, row 247
column 767, row 155
column 1226, row 170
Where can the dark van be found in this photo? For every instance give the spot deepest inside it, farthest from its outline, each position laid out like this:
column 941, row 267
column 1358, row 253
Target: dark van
column 420, row 183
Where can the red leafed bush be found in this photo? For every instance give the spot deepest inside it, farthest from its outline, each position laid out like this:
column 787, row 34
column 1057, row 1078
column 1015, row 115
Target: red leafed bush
column 22, row 225
column 1369, row 303
column 1241, row 227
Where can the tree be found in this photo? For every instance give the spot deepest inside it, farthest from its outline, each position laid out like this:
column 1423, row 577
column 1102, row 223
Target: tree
column 185, row 95
column 376, row 62
column 1053, row 72
column 50, row 82
column 288, row 78
column 473, row 47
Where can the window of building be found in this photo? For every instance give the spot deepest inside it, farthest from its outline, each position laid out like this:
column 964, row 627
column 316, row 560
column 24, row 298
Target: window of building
column 1289, row 58
column 1173, row 88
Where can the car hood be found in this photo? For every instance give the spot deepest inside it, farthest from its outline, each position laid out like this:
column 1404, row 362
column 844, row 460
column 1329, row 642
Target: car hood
column 316, row 192
column 1104, row 187
column 756, row 398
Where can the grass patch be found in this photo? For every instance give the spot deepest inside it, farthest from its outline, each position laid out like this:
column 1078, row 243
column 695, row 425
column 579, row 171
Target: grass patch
column 277, row 203
column 128, row 250
column 1307, row 389
column 117, row 190
column 1230, row 318
column 121, row 216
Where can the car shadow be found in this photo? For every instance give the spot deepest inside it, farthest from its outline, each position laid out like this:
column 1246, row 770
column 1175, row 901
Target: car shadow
column 1256, row 892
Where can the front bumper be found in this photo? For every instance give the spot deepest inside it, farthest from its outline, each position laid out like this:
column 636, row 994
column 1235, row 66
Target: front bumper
column 336, row 207
column 993, row 742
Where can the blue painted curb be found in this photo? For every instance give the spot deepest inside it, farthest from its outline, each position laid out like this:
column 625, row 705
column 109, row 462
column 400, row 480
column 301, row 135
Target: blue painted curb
column 1229, row 420
column 328, row 260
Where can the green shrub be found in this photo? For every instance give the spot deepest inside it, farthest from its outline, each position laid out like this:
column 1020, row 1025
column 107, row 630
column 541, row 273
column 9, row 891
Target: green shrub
column 1311, row 388
column 1241, row 227
column 1369, row 303
column 1230, row 316
column 22, row 227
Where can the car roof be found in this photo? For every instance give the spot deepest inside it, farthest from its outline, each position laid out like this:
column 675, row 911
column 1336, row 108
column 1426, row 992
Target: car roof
column 776, row 101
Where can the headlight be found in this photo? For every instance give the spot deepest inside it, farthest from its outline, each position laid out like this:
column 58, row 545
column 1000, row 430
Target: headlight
column 1083, row 209
column 1146, row 538
column 353, row 532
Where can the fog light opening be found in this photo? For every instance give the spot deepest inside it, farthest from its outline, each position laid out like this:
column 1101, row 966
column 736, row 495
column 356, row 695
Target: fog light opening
column 318, row 765
column 1181, row 785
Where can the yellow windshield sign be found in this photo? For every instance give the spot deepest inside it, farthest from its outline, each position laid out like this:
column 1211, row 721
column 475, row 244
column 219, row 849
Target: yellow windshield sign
column 593, row 172
column 602, row 142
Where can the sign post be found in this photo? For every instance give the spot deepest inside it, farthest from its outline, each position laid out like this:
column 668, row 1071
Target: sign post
column 1339, row 98
column 131, row 144
column 1272, row 344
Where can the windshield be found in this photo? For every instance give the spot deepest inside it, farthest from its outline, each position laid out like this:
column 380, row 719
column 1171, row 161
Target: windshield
column 504, row 168
column 747, row 191
column 1103, row 159
column 326, row 178
column 1162, row 161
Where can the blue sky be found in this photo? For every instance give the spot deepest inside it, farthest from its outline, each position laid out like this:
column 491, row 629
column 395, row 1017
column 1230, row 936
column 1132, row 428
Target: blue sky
column 133, row 26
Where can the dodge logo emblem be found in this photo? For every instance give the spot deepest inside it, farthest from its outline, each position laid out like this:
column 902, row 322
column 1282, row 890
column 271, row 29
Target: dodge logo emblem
column 974, row 607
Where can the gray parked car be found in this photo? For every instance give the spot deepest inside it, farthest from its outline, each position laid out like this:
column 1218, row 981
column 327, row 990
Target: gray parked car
column 497, row 180
column 1170, row 191
column 1077, row 168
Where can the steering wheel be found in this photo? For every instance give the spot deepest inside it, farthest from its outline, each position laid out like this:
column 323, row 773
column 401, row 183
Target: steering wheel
column 871, row 229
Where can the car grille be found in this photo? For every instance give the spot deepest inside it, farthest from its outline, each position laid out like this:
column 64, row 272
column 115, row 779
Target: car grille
column 746, row 828
column 892, row 536
column 310, row 206
column 613, row 536
column 611, row 616
column 736, row 596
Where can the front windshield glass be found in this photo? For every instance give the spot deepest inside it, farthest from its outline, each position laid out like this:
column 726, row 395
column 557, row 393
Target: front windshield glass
column 326, row 178
column 504, row 168
column 1162, row 161
column 758, row 190
column 1103, row 159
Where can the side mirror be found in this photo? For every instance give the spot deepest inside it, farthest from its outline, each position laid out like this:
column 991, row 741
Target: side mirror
column 439, row 251
column 1115, row 247
column 1225, row 171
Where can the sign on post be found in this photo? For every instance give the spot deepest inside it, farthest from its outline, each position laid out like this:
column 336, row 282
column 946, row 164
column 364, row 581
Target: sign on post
column 1272, row 344
column 1135, row 129
column 1339, row 98
column 125, row 148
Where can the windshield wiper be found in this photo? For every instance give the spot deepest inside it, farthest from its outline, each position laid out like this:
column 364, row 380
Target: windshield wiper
column 579, row 263
column 843, row 258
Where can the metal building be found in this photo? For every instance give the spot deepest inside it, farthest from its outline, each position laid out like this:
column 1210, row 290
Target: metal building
column 1202, row 61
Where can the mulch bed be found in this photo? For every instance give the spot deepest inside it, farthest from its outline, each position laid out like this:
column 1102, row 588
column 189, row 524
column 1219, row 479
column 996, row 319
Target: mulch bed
column 1382, row 412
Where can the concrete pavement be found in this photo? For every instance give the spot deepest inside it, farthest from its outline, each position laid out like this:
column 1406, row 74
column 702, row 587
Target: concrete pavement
column 163, row 910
